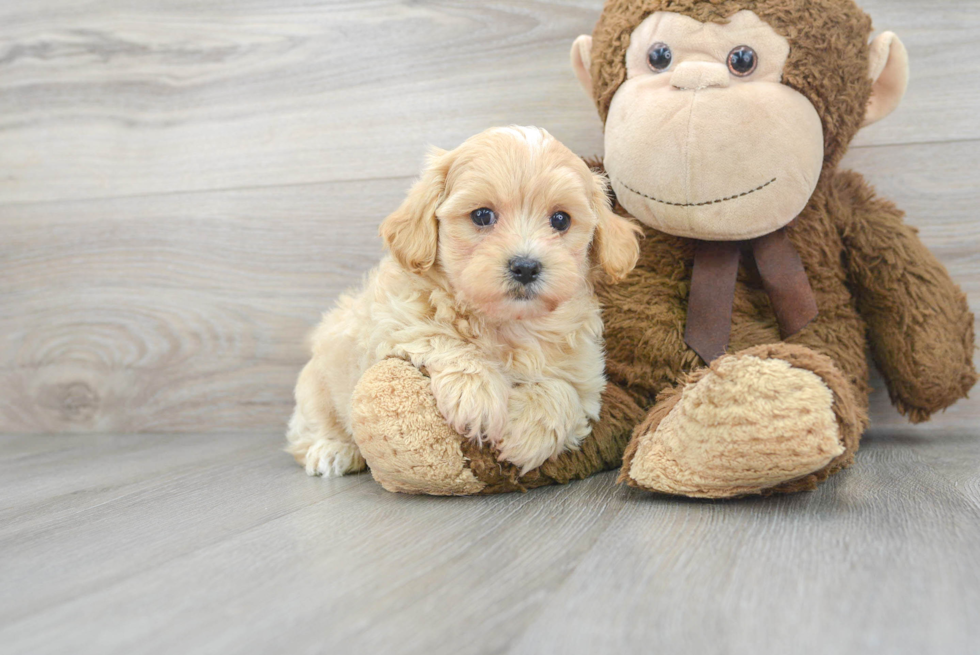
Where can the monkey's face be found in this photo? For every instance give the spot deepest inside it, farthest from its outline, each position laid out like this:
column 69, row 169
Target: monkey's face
column 702, row 139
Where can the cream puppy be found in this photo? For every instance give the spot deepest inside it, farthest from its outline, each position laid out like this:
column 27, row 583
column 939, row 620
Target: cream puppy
column 487, row 288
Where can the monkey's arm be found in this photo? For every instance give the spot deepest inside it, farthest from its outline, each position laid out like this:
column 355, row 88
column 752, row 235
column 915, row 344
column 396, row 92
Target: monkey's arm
column 919, row 323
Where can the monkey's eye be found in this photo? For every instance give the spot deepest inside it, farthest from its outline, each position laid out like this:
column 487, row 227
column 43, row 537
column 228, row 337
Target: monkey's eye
column 660, row 57
column 561, row 221
column 483, row 217
column 742, row 61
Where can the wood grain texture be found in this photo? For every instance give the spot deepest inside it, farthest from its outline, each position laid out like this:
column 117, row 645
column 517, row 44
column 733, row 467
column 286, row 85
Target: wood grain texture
column 185, row 186
column 105, row 98
column 883, row 562
column 184, row 313
column 219, row 544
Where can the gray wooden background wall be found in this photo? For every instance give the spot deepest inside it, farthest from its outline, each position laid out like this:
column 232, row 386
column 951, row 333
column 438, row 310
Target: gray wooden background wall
column 185, row 185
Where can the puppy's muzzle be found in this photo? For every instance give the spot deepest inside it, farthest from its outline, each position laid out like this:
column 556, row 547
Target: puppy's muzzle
column 524, row 270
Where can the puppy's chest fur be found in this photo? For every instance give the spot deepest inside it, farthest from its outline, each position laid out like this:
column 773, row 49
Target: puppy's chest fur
column 530, row 352
column 565, row 344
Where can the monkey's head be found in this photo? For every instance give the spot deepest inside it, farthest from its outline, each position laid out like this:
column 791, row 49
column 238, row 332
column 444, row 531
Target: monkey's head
column 722, row 115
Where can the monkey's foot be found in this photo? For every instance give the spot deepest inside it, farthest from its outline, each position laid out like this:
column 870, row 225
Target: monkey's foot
column 403, row 436
column 775, row 418
column 410, row 448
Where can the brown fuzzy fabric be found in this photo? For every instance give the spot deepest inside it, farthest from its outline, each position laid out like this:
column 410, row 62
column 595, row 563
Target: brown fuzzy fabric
column 828, row 60
column 920, row 326
column 601, row 451
column 874, row 282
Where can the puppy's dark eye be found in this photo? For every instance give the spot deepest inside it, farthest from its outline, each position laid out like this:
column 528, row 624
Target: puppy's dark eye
column 742, row 61
column 561, row 221
column 484, row 217
column 660, row 57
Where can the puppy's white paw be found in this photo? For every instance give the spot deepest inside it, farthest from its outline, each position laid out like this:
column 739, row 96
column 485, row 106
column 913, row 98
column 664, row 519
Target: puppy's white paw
column 332, row 459
column 474, row 403
column 546, row 419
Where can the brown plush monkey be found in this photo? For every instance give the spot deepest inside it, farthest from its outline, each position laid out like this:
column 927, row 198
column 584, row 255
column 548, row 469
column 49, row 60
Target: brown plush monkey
column 736, row 350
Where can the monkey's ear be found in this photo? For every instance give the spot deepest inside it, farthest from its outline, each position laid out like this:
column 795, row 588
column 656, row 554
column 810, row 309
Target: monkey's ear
column 889, row 75
column 582, row 62
column 411, row 233
column 616, row 245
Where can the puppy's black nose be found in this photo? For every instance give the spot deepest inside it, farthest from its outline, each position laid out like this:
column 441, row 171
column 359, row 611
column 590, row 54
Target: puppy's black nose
column 525, row 270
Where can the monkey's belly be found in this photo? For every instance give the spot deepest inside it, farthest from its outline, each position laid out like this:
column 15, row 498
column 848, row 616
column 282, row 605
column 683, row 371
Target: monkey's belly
column 645, row 317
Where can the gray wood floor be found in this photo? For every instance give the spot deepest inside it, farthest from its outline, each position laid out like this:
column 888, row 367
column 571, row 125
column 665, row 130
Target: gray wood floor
column 186, row 544
column 186, row 185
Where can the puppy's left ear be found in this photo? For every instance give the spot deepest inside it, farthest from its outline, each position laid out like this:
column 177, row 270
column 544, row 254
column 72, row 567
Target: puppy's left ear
column 616, row 245
column 411, row 233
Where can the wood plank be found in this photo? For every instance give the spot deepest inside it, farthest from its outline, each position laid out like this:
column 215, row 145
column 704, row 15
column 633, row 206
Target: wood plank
column 187, row 312
column 108, row 98
column 74, row 476
column 248, row 555
column 130, row 503
column 194, row 305
column 251, row 559
column 884, row 560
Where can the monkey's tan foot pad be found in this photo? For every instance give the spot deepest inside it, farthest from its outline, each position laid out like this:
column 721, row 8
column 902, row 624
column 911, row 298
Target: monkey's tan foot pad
column 403, row 436
column 749, row 424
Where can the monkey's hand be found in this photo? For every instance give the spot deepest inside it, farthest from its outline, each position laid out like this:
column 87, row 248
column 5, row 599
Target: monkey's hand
column 919, row 322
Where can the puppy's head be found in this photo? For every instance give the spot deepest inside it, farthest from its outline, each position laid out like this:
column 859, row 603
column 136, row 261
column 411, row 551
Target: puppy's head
column 514, row 220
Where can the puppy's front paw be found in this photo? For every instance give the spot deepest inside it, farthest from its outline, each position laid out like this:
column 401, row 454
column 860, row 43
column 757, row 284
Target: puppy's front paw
column 474, row 402
column 545, row 420
column 332, row 459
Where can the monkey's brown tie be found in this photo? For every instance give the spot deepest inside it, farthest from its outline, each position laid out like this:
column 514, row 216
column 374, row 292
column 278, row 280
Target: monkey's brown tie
column 709, row 307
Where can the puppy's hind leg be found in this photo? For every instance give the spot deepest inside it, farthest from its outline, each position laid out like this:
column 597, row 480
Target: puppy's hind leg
column 316, row 436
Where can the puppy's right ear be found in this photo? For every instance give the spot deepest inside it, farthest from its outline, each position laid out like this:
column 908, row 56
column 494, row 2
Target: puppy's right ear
column 411, row 233
column 616, row 243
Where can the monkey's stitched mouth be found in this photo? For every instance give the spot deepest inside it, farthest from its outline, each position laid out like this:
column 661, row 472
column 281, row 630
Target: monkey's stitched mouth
column 694, row 204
